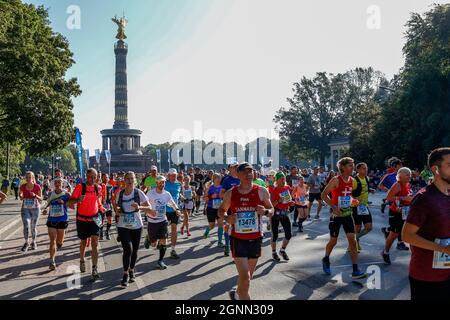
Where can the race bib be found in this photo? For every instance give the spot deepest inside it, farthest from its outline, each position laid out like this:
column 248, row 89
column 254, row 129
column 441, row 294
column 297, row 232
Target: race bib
column 216, row 203
column 363, row 210
column 29, row 203
column 405, row 212
column 344, row 202
column 161, row 211
column 188, row 194
column 440, row 259
column 285, row 197
column 301, row 199
column 98, row 220
column 130, row 221
column 56, row 210
column 294, row 182
column 246, row 222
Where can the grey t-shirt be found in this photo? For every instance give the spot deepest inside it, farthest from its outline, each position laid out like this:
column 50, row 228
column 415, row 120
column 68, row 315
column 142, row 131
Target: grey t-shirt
column 314, row 184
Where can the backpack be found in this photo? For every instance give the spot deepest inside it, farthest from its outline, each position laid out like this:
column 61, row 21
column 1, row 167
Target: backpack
column 83, row 189
column 357, row 192
column 136, row 198
column 83, row 192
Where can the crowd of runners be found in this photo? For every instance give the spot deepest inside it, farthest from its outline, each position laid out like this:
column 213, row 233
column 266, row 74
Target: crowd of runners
column 237, row 200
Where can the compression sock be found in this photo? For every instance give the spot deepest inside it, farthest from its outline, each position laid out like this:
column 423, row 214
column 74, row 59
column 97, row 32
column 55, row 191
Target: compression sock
column 162, row 252
column 220, row 233
column 361, row 234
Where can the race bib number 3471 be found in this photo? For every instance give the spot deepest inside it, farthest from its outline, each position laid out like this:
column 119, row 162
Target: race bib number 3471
column 246, row 222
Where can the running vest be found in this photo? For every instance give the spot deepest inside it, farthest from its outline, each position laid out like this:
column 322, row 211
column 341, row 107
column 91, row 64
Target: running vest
column 213, row 190
column 405, row 191
column 135, row 198
column 342, row 196
column 243, row 206
column 187, row 193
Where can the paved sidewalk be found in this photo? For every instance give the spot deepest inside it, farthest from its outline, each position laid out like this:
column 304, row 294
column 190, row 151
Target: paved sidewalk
column 9, row 217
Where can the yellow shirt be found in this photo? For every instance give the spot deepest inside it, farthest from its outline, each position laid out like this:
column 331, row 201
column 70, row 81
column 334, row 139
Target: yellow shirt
column 364, row 197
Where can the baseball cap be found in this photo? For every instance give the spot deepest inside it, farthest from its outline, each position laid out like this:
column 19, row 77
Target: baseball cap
column 160, row 178
column 233, row 164
column 279, row 175
column 243, row 166
column 272, row 173
column 172, row 171
column 153, row 168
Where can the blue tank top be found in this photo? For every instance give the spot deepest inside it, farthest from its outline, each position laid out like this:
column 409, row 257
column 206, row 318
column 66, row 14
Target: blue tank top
column 390, row 180
column 213, row 190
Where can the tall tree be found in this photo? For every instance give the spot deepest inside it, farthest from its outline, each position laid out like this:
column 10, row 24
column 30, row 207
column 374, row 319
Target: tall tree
column 64, row 160
column 325, row 107
column 35, row 96
column 416, row 118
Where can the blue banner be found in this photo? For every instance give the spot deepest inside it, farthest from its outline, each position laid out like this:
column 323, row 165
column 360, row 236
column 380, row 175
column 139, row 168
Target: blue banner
column 79, row 151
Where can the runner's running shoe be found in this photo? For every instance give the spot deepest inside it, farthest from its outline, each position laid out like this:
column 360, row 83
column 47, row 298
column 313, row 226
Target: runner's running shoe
column 284, row 255
column 358, row 274
column 386, row 257
column 326, row 266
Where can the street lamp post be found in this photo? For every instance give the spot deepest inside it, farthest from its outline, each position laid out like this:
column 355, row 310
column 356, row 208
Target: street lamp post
column 57, row 159
column 53, row 166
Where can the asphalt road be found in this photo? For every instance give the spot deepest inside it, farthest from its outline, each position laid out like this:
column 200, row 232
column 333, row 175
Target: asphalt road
column 202, row 273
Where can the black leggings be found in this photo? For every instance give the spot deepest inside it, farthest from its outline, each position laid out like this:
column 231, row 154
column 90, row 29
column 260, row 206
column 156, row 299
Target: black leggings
column 285, row 222
column 130, row 240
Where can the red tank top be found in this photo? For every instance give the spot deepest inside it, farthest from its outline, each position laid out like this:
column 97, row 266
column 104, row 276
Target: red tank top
column 343, row 189
column 248, row 223
column 404, row 191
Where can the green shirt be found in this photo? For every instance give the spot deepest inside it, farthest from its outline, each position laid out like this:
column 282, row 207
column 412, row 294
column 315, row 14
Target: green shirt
column 150, row 182
column 426, row 175
column 260, row 182
column 364, row 197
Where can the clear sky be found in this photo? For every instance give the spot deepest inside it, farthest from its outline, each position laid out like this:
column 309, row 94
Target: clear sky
column 228, row 63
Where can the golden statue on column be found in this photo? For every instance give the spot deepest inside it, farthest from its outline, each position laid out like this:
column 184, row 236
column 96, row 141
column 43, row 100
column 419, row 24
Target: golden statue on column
column 121, row 23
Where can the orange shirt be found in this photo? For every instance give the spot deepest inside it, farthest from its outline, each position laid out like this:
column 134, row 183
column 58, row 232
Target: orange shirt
column 91, row 204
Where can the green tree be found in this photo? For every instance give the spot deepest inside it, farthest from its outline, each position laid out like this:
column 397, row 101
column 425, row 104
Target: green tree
column 35, row 97
column 66, row 162
column 325, row 107
column 16, row 156
column 417, row 116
